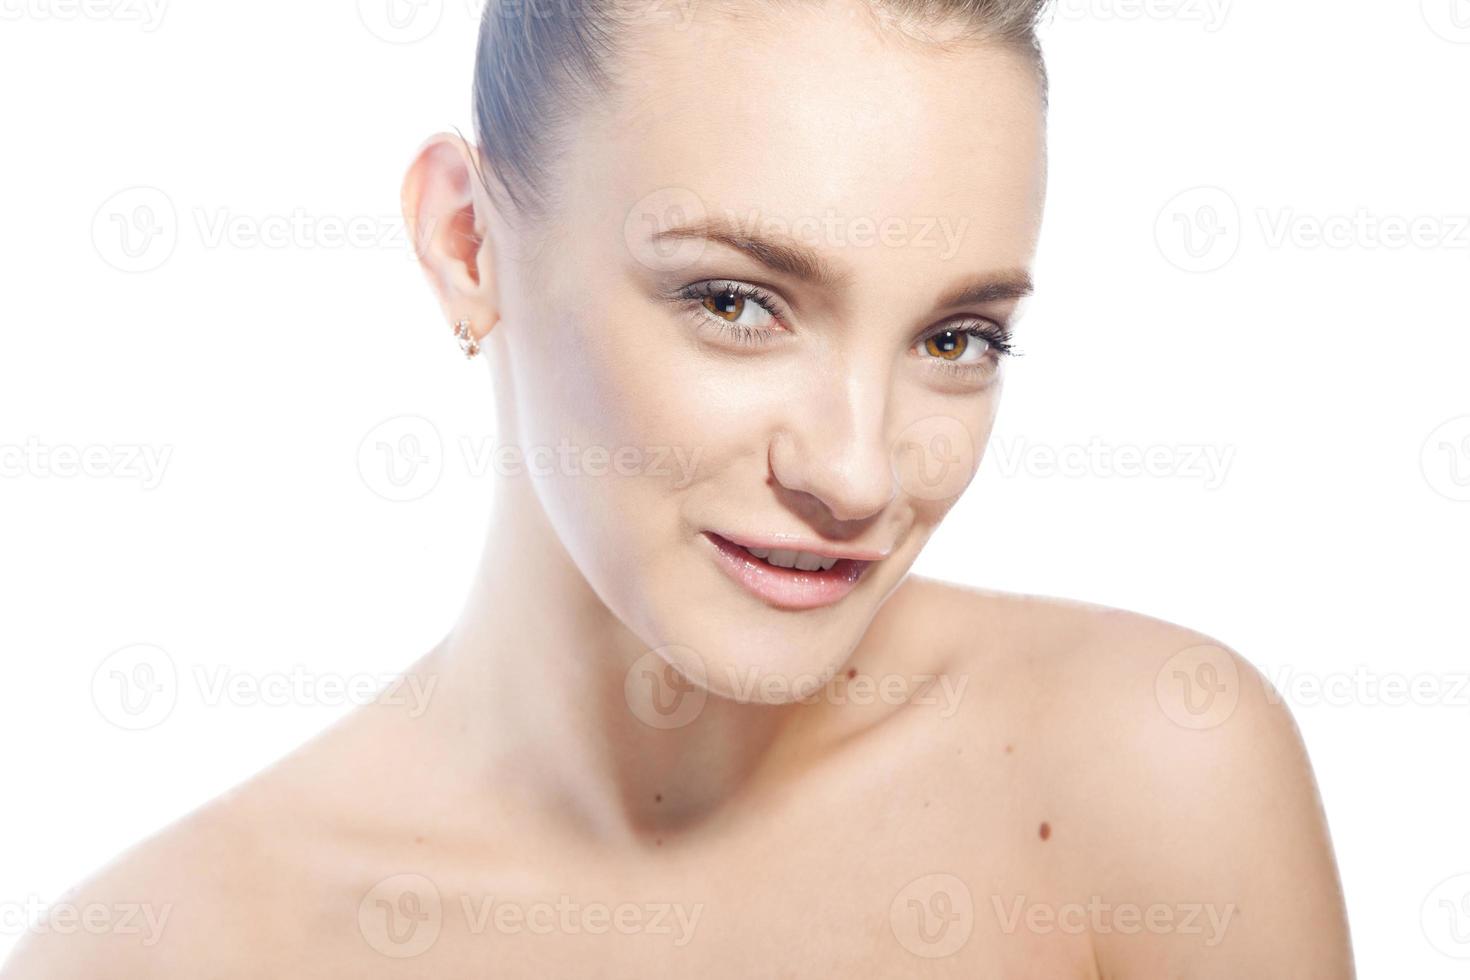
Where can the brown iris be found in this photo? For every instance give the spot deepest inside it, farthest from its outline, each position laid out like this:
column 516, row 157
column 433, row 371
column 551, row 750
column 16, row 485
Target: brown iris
column 949, row 345
column 727, row 305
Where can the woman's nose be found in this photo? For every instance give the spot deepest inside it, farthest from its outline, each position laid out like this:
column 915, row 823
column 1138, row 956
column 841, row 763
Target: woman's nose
column 834, row 449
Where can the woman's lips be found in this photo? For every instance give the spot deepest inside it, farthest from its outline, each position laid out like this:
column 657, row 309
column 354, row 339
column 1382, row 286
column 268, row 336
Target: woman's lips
column 788, row 588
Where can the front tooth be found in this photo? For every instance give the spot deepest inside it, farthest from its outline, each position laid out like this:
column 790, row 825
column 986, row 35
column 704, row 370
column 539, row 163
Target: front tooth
column 827, row 564
column 760, row 552
column 782, row 559
column 808, row 562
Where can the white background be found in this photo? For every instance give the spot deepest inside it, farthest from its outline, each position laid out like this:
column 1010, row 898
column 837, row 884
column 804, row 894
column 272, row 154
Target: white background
column 1326, row 370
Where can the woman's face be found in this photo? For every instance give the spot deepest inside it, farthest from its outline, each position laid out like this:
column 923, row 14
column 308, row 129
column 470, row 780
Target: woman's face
column 770, row 314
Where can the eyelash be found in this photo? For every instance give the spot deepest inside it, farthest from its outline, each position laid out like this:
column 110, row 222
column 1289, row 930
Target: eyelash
column 996, row 335
column 740, row 334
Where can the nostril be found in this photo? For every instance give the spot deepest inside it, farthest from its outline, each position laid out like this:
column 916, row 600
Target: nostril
column 842, row 481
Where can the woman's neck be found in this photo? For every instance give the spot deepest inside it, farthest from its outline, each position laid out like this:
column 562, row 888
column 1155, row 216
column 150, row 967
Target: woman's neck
column 535, row 676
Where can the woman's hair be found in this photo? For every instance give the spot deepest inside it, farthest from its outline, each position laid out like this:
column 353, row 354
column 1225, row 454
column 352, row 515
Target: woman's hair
column 537, row 58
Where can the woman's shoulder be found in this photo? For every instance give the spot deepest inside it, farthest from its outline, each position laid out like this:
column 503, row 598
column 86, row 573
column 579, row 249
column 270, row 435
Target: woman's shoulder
column 1182, row 675
column 1172, row 773
column 1113, row 684
column 208, row 885
column 192, row 892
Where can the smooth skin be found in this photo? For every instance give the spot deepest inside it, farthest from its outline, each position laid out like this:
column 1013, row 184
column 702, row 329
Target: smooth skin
column 920, row 780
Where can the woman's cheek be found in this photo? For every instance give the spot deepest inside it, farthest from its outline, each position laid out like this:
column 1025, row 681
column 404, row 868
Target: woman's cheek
column 938, row 447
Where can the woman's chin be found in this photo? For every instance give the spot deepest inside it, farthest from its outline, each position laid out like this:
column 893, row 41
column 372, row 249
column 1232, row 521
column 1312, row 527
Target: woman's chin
column 761, row 664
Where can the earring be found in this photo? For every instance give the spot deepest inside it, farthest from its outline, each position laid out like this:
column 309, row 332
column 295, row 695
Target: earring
column 468, row 344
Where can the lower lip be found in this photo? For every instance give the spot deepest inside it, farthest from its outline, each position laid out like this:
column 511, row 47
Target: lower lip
column 786, row 588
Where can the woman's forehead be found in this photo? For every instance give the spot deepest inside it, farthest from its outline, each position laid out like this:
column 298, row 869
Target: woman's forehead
column 759, row 88
column 751, row 123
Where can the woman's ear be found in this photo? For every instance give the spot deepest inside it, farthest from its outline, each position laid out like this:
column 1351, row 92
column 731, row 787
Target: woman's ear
column 445, row 209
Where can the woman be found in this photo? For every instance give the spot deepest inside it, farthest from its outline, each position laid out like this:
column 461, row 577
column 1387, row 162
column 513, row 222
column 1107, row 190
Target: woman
column 746, row 277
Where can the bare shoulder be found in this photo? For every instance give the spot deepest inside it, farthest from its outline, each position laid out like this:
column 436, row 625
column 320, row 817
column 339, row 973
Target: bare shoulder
column 287, row 854
column 1138, row 676
column 1178, row 780
column 277, row 857
column 191, row 893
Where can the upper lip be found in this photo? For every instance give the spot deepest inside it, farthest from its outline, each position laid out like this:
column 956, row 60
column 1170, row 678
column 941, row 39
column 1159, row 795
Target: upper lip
column 782, row 542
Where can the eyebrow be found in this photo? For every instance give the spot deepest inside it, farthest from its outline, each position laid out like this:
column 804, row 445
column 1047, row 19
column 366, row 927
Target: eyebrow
column 1011, row 284
column 786, row 256
column 801, row 262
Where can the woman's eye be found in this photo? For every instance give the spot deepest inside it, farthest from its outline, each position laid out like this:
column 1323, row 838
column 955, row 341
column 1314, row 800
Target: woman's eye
column 957, row 346
column 732, row 306
column 733, row 312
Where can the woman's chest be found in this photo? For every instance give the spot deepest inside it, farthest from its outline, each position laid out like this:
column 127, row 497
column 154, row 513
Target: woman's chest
column 917, row 881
